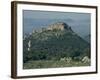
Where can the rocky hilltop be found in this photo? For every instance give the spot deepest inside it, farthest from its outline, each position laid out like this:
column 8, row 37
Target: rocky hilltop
column 59, row 26
column 56, row 26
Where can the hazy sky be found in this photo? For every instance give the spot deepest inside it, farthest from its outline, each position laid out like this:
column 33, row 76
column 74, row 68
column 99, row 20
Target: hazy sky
column 80, row 22
column 54, row 15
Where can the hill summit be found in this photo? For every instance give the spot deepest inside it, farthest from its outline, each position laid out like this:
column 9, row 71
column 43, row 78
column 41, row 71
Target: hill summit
column 56, row 26
column 59, row 26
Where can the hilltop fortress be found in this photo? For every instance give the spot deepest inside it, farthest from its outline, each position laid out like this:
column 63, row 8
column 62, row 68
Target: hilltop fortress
column 56, row 26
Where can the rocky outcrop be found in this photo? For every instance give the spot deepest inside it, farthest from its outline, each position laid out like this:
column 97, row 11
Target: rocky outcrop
column 56, row 26
column 29, row 45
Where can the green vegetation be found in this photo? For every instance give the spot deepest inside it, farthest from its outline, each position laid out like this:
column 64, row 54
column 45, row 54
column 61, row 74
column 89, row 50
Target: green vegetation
column 49, row 46
column 53, row 64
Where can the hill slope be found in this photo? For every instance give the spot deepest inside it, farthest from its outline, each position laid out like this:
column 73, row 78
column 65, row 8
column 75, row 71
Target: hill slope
column 53, row 43
column 87, row 38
